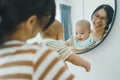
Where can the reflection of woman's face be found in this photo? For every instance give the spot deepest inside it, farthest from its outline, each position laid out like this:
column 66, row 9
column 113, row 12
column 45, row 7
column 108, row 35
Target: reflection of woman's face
column 100, row 20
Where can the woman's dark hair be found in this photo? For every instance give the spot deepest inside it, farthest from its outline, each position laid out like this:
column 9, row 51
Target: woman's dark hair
column 14, row 12
column 109, row 10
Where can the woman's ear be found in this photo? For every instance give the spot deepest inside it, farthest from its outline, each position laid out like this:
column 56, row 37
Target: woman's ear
column 31, row 22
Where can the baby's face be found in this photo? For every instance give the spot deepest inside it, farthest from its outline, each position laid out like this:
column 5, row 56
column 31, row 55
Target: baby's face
column 82, row 33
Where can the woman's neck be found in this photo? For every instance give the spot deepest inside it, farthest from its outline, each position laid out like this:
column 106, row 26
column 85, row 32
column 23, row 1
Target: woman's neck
column 98, row 34
column 18, row 35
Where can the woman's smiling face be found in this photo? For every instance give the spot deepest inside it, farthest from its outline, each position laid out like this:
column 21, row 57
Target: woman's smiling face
column 100, row 20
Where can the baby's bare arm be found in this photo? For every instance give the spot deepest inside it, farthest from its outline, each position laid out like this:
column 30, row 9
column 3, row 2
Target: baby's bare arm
column 79, row 61
column 68, row 43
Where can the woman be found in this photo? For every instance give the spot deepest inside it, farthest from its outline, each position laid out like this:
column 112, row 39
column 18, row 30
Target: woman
column 20, row 21
column 101, row 19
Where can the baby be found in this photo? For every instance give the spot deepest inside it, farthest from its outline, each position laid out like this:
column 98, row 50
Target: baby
column 82, row 39
column 53, row 37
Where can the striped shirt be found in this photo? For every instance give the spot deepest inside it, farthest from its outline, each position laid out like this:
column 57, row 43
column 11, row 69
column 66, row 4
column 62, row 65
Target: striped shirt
column 59, row 46
column 20, row 61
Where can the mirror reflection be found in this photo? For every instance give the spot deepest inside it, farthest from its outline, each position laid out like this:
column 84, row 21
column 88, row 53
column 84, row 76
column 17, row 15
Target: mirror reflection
column 86, row 25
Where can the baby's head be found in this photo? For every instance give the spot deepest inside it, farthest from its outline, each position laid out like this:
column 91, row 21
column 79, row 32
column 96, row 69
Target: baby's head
column 82, row 30
column 55, row 31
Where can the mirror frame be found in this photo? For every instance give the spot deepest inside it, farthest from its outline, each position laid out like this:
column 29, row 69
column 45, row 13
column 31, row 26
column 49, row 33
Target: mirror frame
column 113, row 20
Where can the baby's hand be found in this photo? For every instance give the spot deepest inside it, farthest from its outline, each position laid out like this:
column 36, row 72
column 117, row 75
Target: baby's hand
column 87, row 67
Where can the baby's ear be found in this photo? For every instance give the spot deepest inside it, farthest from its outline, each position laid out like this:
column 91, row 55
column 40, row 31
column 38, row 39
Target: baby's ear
column 90, row 31
column 60, row 36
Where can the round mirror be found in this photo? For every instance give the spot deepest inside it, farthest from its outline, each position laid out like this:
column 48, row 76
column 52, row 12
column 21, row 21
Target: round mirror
column 86, row 22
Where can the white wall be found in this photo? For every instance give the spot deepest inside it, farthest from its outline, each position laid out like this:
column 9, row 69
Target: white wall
column 104, row 59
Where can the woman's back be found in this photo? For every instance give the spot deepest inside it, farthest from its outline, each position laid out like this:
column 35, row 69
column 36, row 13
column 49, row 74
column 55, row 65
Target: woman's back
column 23, row 61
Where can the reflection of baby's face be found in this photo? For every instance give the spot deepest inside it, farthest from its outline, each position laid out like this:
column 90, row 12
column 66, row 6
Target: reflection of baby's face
column 82, row 32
